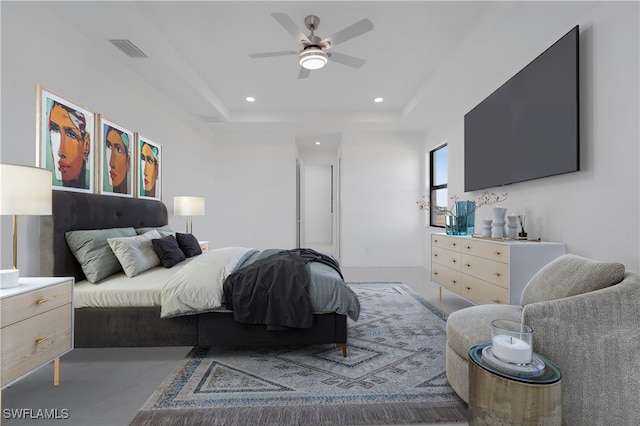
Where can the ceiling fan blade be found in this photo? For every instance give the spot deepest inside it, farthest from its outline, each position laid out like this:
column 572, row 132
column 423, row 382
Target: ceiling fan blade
column 304, row 73
column 270, row 54
column 288, row 24
column 350, row 32
column 348, row 60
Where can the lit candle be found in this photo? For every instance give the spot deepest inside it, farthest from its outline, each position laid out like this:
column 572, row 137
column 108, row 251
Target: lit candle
column 511, row 349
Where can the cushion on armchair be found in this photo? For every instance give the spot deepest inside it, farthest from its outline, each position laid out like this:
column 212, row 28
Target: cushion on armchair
column 570, row 275
column 470, row 326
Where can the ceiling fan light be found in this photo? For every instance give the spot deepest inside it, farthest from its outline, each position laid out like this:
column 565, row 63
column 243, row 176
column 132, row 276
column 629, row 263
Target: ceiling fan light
column 313, row 58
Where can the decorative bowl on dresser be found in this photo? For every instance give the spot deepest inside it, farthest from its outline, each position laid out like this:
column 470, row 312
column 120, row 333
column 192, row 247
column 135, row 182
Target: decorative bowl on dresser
column 36, row 326
column 488, row 271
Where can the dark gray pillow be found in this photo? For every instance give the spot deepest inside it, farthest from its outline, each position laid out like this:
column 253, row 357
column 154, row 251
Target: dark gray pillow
column 188, row 244
column 92, row 250
column 168, row 251
column 570, row 275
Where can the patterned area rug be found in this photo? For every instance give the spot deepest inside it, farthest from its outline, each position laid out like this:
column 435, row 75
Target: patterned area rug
column 394, row 374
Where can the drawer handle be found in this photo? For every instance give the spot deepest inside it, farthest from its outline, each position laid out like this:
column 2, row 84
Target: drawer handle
column 453, row 260
column 435, row 255
column 468, row 265
column 454, row 244
column 498, row 274
column 41, row 301
column 435, row 273
column 454, row 281
column 498, row 253
column 468, row 247
column 468, row 288
column 435, row 241
column 41, row 340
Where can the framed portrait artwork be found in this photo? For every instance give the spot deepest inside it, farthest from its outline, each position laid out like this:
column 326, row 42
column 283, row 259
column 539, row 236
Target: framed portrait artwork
column 117, row 154
column 149, row 169
column 66, row 134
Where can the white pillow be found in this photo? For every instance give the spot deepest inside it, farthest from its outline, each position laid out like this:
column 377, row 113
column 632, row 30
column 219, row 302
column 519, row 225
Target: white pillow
column 135, row 254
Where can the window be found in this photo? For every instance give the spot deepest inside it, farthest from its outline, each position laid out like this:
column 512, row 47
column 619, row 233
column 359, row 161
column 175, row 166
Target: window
column 438, row 182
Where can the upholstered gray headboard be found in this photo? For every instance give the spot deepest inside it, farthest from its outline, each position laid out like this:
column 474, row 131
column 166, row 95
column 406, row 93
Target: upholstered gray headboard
column 75, row 210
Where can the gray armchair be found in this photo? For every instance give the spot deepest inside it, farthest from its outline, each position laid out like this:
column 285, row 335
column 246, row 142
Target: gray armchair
column 585, row 317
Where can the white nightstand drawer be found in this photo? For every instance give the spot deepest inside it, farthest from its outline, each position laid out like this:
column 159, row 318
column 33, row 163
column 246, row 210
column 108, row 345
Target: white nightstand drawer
column 35, row 341
column 21, row 306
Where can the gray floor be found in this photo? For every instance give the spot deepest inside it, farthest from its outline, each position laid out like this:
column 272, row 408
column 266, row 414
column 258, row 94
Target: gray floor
column 106, row 387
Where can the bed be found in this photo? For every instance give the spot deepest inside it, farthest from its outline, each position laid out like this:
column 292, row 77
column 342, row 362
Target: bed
column 137, row 321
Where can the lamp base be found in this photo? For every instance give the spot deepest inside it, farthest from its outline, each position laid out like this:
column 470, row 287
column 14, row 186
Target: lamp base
column 9, row 278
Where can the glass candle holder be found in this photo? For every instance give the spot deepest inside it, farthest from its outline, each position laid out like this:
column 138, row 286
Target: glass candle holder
column 512, row 341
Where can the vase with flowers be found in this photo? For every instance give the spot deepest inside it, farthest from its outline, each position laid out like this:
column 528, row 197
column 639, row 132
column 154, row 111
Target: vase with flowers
column 460, row 218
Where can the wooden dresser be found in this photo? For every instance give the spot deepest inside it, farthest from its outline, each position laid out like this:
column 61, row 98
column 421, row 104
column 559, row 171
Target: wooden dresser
column 36, row 326
column 488, row 271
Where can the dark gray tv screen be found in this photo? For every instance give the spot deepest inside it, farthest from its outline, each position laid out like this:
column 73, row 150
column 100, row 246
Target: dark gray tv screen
column 529, row 127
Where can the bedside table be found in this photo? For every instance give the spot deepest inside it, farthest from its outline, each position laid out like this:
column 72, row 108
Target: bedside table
column 204, row 245
column 36, row 326
column 496, row 397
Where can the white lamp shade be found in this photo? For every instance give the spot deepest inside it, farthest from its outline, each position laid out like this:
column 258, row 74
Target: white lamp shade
column 24, row 190
column 188, row 206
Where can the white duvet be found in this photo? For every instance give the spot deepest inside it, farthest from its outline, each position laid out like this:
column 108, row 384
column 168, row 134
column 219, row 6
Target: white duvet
column 197, row 287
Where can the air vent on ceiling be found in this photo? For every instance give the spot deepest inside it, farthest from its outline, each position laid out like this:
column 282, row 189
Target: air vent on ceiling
column 128, row 48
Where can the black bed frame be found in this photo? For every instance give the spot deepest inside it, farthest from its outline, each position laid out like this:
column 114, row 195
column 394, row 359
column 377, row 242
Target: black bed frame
column 119, row 327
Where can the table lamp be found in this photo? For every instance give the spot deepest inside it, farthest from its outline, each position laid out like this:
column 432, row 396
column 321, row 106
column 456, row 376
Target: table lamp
column 24, row 190
column 188, row 206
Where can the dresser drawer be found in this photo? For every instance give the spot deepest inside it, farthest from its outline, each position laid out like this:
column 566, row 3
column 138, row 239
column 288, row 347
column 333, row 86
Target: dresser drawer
column 445, row 277
column 445, row 242
column 35, row 341
column 488, row 270
column 488, row 250
column 481, row 292
column 448, row 258
column 17, row 308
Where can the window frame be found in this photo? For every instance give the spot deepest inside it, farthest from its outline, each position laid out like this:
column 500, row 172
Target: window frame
column 433, row 188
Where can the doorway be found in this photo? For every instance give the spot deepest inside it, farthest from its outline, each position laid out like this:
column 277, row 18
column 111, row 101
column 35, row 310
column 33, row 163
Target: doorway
column 318, row 201
column 318, row 221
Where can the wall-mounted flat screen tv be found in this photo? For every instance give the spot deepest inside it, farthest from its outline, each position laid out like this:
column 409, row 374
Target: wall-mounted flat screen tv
column 529, row 127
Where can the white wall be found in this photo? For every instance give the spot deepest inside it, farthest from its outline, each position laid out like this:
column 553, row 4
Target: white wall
column 253, row 177
column 381, row 177
column 596, row 210
column 30, row 34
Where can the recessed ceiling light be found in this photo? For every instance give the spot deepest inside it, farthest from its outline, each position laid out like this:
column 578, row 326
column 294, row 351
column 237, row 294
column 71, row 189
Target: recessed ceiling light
column 250, row 99
column 378, row 100
column 317, row 142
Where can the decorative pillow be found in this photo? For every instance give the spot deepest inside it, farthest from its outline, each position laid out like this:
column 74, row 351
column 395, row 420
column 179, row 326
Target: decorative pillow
column 188, row 244
column 570, row 275
column 92, row 250
column 164, row 230
column 136, row 254
column 168, row 251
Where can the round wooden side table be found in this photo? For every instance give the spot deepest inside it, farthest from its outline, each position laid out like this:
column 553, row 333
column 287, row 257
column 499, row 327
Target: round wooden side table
column 497, row 398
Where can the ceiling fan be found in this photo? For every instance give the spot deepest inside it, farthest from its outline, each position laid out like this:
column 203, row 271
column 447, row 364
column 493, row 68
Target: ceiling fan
column 315, row 51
